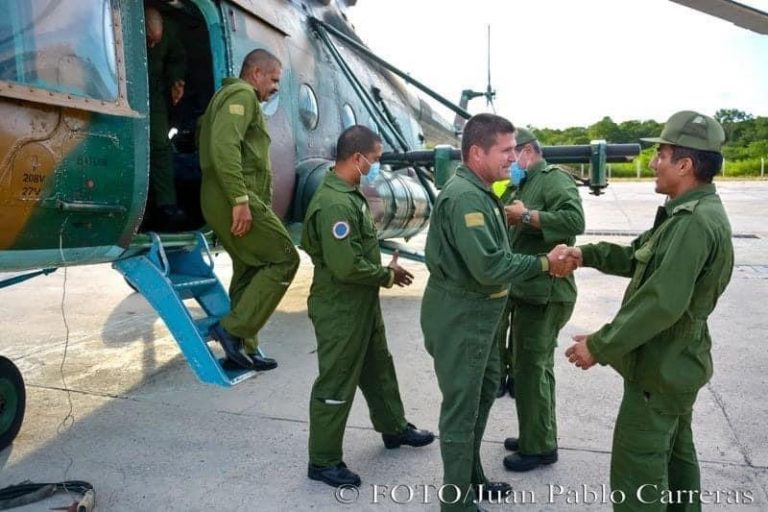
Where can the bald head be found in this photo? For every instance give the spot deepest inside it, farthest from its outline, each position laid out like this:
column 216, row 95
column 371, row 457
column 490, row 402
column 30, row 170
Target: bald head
column 258, row 59
column 154, row 23
column 262, row 70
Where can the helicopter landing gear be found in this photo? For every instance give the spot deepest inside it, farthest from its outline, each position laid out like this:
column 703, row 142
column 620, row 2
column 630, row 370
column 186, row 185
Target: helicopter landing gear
column 12, row 402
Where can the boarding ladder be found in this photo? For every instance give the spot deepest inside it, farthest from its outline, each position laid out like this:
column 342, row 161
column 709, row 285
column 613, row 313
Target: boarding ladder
column 166, row 278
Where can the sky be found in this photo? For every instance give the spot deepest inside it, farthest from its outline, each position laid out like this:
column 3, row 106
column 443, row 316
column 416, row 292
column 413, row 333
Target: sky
column 560, row 63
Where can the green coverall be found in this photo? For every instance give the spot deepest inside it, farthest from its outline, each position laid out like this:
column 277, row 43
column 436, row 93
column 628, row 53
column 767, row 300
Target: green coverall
column 471, row 266
column 541, row 306
column 234, row 158
column 340, row 237
column 659, row 342
column 166, row 63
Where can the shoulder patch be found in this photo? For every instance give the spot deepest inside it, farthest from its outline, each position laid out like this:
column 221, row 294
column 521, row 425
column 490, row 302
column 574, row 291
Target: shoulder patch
column 340, row 230
column 238, row 110
column 474, row 220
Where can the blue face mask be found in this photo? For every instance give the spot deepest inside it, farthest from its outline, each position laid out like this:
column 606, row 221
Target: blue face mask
column 373, row 172
column 516, row 174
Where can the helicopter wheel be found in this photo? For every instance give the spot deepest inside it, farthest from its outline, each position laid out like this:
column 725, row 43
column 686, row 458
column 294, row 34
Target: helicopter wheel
column 12, row 402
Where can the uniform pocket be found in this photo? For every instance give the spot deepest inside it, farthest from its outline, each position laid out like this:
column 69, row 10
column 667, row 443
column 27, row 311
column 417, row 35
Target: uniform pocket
column 475, row 351
column 536, row 290
column 671, row 403
column 644, row 254
column 258, row 208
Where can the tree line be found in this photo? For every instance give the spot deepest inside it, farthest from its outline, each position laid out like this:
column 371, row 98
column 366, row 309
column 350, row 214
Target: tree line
column 746, row 140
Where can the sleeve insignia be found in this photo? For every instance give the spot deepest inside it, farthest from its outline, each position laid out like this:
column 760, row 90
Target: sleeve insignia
column 238, row 110
column 474, row 220
column 340, row 230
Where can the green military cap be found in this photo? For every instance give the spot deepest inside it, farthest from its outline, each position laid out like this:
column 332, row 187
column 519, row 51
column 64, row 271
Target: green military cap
column 692, row 130
column 524, row 136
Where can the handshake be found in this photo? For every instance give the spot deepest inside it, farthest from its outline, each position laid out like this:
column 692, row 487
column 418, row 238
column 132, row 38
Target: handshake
column 563, row 260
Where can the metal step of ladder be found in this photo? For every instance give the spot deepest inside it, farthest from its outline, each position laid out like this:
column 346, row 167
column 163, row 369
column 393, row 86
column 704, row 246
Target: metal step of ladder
column 166, row 279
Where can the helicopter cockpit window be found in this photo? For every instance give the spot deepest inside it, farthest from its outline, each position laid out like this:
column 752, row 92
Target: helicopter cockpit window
column 308, row 110
column 65, row 47
column 348, row 117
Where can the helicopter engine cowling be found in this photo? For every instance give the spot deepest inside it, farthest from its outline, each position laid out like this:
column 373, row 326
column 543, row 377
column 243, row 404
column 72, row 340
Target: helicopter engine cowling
column 399, row 204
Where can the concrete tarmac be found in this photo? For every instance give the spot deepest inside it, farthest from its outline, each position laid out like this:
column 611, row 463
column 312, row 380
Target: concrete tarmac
column 127, row 414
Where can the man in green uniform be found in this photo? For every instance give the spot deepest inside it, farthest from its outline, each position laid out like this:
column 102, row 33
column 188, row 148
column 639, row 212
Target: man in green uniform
column 544, row 211
column 340, row 236
column 471, row 266
column 166, row 63
column 236, row 198
column 659, row 340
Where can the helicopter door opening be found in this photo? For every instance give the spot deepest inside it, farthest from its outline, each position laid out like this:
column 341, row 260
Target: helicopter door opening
column 188, row 22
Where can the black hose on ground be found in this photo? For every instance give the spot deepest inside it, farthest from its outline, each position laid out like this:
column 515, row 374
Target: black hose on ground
column 28, row 492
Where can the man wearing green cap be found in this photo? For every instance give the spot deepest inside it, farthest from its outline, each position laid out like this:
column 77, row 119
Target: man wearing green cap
column 544, row 210
column 343, row 304
column 471, row 265
column 659, row 340
column 236, row 199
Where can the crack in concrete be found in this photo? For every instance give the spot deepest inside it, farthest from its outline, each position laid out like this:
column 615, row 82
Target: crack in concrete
column 721, row 404
column 742, row 448
column 747, row 464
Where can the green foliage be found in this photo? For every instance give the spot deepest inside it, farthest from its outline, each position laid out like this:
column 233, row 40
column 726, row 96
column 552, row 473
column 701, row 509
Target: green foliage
column 747, row 167
column 605, row 129
column 746, row 140
column 629, row 170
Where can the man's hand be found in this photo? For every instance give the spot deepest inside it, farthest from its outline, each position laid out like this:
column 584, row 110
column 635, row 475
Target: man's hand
column 561, row 261
column 241, row 219
column 579, row 354
column 177, row 92
column 402, row 276
column 574, row 254
column 514, row 212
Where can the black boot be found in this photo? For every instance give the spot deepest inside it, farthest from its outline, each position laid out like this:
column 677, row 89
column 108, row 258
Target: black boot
column 511, row 387
column 494, row 492
column 261, row 363
column 512, row 444
column 232, row 345
column 410, row 436
column 520, row 462
column 334, row 476
column 502, row 389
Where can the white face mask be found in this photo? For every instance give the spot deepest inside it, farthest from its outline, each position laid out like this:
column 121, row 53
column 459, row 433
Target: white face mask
column 374, row 169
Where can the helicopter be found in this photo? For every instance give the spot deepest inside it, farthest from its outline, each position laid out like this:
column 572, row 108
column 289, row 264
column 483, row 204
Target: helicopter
column 74, row 145
column 737, row 13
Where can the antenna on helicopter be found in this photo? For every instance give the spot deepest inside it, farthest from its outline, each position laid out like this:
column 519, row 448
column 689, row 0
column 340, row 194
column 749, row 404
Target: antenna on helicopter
column 468, row 94
column 489, row 92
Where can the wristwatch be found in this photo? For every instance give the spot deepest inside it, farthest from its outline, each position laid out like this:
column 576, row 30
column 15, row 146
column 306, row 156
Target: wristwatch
column 525, row 218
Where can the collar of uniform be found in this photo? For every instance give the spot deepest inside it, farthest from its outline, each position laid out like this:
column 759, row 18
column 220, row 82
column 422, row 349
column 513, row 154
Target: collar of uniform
column 465, row 172
column 688, row 200
column 235, row 80
column 332, row 180
column 540, row 166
